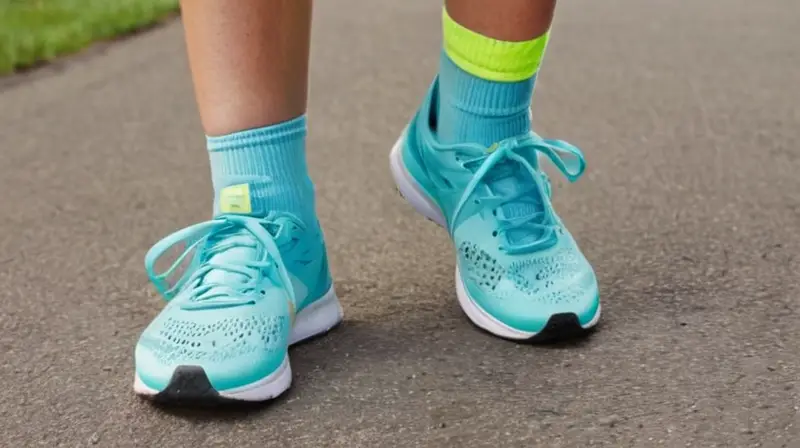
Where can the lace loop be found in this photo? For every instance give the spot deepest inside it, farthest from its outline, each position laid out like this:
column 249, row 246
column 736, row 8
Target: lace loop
column 524, row 152
column 213, row 238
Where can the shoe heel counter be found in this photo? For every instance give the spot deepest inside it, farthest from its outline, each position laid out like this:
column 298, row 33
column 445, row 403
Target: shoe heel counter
column 414, row 148
column 325, row 281
column 411, row 155
column 322, row 283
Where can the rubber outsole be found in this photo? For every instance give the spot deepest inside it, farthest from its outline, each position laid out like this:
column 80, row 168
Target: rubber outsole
column 559, row 327
column 190, row 385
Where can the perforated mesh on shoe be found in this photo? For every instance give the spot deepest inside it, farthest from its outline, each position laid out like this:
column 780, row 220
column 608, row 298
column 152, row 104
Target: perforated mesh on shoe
column 482, row 268
column 178, row 341
column 560, row 276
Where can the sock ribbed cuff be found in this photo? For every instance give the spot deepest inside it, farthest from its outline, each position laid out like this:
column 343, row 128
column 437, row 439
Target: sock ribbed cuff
column 271, row 161
column 492, row 59
column 277, row 135
column 477, row 96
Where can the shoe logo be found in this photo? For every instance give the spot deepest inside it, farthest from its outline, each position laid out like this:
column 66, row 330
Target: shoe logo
column 235, row 199
column 492, row 148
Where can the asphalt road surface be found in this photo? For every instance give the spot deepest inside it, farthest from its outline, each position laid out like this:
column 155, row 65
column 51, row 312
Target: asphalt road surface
column 689, row 113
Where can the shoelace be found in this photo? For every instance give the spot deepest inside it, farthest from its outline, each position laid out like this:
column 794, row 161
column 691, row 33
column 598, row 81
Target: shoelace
column 521, row 151
column 214, row 237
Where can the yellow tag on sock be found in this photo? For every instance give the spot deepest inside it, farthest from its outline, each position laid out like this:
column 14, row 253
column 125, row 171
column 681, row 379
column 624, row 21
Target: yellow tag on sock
column 235, row 199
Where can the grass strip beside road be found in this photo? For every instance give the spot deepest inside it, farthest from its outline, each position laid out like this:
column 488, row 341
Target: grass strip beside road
column 35, row 31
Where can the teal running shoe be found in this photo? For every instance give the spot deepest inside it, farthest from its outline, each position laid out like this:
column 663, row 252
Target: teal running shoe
column 519, row 272
column 252, row 288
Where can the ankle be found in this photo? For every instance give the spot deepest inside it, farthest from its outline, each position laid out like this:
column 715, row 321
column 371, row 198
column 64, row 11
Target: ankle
column 271, row 162
column 485, row 85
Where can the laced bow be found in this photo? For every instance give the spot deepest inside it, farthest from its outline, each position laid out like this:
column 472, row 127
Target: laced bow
column 214, row 237
column 523, row 152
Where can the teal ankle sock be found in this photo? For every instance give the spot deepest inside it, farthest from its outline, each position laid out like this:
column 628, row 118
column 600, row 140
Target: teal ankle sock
column 475, row 110
column 271, row 161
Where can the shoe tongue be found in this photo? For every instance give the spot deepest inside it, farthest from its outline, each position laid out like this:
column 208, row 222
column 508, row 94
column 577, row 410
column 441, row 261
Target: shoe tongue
column 232, row 200
column 508, row 180
column 236, row 246
column 243, row 249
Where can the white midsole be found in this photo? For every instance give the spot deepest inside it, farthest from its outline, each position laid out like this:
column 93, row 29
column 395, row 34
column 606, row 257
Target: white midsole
column 318, row 318
column 418, row 199
column 486, row 321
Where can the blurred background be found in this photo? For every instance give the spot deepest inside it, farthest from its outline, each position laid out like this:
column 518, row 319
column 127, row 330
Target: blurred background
column 35, row 31
column 688, row 113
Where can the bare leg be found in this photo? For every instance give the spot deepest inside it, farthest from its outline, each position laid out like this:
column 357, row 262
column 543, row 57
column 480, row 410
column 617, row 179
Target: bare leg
column 249, row 60
column 510, row 20
column 493, row 50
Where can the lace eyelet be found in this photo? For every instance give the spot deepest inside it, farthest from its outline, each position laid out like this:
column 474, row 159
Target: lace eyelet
column 494, row 233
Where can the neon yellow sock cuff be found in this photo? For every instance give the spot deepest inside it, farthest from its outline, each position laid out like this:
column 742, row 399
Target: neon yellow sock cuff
column 492, row 59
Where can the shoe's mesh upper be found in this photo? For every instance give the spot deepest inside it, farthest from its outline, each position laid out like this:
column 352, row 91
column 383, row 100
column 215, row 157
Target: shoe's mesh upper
column 177, row 341
column 481, row 267
column 559, row 276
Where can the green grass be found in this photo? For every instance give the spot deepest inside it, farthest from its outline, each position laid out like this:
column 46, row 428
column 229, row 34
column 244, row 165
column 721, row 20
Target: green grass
column 33, row 31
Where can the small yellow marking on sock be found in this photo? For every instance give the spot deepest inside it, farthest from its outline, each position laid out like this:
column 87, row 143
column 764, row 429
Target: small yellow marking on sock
column 235, row 199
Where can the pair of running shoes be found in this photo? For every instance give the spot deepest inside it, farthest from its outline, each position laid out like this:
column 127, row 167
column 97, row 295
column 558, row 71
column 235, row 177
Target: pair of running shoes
column 253, row 286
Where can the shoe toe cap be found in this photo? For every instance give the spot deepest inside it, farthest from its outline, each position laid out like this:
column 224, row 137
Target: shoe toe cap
column 223, row 373
column 233, row 350
column 526, row 307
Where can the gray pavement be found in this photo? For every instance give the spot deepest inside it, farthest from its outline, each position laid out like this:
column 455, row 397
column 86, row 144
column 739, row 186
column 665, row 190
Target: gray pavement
column 689, row 113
